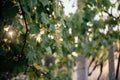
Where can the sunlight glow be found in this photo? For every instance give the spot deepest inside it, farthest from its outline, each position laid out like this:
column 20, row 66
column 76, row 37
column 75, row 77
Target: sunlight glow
column 10, row 33
column 75, row 54
column 70, row 6
column 6, row 29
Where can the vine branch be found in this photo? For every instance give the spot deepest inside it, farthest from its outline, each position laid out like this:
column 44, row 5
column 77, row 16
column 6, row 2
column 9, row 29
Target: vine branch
column 96, row 64
column 26, row 26
column 101, row 69
column 93, row 59
column 110, row 14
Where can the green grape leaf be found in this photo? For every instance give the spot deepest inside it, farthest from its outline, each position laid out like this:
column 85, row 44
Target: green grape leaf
column 106, row 3
column 52, row 27
column 44, row 2
column 103, row 3
column 97, row 24
column 85, row 48
column 44, row 18
column 2, row 52
column 92, row 1
column 31, row 56
column 99, row 4
column 68, row 46
column 111, row 21
column 48, row 49
column 34, row 28
column 105, row 43
column 9, row 10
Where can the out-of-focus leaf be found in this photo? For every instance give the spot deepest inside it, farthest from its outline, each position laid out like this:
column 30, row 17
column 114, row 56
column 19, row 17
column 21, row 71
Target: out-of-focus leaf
column 98, row 24
column 90, row 14
column 67, row 48
column 32, row 3
column 37, row 66
column 2, row 52
column 31, row 55
column 65, row 33
column 119, row 7
column 103, row 3
column 92, row 1
column 48, row 49
column 52, row 27
column 44, row 18
column 111, row 21
column 84, row 28
column 34, row 28
column 44, row 2
column 9, row 10
column 105, row 43
column 27, row 10
column 106, row 3
column 45, row 41
column 85, row 49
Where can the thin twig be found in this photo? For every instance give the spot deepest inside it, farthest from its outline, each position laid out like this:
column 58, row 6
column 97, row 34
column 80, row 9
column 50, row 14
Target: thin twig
column 93, row 59
column 93, row 68
column 111, row 15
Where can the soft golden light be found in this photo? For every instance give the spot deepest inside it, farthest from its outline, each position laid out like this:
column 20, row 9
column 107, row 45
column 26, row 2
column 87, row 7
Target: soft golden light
column 6, row 29
column 10, row 33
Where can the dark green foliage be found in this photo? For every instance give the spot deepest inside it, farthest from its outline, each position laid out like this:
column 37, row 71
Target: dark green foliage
column 45, row 19
column 8, row 9
column 103, row 3
column 119, row 7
